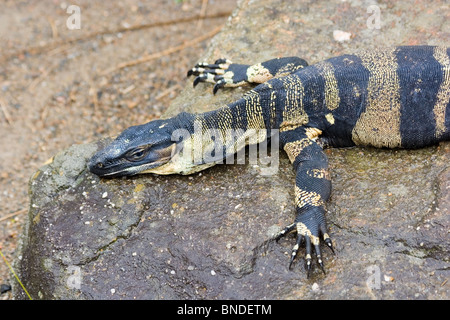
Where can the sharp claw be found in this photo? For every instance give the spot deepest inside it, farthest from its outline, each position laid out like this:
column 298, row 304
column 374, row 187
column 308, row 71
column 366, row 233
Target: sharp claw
column 216, row 88
column 220, row 61
column 308, row 266
column 293, row 254
column 322, row 268
column 200, row 64
column 330, row 245
column 285, row 231
column 295, row 249
column 320, row 262
column 220, row 84
column 197, row 81
column 332, row 250
column 190, row 73
column 290, row 262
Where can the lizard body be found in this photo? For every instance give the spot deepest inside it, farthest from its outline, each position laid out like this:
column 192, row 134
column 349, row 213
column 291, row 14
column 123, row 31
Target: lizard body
column 390, row 98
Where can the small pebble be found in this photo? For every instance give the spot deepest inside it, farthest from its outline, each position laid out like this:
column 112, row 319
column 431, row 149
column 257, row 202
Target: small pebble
column 341, row 36
column 315, row 287
column 388, row 278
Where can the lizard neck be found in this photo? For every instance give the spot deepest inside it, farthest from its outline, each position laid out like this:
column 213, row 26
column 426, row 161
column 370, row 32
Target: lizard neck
column 213, row 136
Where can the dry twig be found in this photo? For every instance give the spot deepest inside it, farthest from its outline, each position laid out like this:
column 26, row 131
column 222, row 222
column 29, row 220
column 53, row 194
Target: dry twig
column 202, row 14
column 163, row 53
column 13, row 214
column 41, row 77
column 55, row 44
column 5, row 111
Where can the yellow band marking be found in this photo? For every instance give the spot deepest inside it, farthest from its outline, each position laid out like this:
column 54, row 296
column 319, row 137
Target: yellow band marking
column 379, row 124
column 443, row 95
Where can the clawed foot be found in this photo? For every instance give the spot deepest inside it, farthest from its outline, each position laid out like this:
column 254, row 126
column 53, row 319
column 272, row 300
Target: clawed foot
column 223, row 73
column 305, row 235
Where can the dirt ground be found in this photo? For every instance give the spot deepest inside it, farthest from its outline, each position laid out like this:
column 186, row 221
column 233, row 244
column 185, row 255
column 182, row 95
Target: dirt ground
column 60, row 85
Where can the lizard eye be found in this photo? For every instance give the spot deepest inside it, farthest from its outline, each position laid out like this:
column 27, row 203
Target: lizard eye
column 136, row 154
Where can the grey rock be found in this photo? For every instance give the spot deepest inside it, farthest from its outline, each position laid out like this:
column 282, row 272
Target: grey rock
column 209, row 235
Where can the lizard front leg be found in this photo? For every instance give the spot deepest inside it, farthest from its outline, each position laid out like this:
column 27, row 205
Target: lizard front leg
column 225, row 73
column 312, row 190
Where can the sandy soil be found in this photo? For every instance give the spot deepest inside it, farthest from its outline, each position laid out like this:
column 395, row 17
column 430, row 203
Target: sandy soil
column 61, row 86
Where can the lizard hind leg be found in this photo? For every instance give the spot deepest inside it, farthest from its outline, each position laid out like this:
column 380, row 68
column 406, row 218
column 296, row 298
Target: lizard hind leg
column 312, row 190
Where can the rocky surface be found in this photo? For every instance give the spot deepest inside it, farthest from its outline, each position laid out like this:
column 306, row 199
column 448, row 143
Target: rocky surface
column 209, row 235
column 54, row 91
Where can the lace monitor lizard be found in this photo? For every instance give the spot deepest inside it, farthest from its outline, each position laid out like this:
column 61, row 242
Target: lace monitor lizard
column 389, row 98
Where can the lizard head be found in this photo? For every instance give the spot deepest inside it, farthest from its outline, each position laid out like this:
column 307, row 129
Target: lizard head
column 138, row 149
column 155, row 147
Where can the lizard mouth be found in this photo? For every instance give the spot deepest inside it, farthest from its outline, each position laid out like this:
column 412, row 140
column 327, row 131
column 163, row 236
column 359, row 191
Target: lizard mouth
column 129, row 171
column 123, row 166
